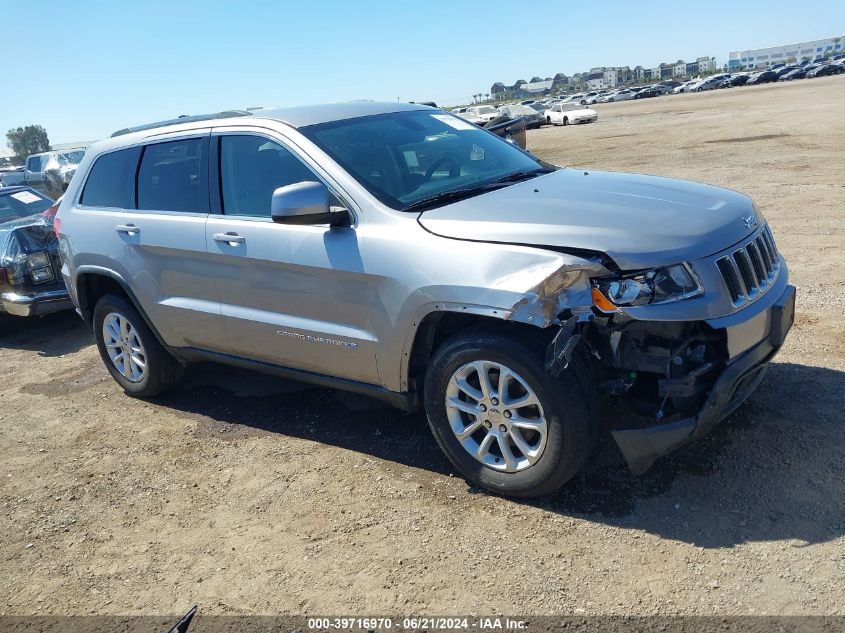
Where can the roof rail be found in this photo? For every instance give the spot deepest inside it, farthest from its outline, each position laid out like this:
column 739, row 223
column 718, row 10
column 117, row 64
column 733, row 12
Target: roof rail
column 226, row 114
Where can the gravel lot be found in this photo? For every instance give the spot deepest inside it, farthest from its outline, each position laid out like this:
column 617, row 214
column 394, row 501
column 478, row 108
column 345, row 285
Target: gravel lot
column 247, row 494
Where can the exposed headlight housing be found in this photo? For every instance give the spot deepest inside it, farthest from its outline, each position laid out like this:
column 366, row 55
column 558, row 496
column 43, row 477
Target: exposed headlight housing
column 659, row 285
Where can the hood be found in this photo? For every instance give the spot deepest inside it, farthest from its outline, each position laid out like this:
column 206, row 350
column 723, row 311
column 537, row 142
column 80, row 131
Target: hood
column 639, row 221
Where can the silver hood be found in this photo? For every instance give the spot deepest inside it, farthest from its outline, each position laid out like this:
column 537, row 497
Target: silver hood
column 639, row 221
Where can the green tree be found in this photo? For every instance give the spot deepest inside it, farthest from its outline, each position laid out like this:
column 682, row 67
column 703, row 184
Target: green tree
column 24, row 141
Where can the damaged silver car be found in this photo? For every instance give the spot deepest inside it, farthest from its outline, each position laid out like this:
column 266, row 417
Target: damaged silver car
column 399, row 251
column 30, row 283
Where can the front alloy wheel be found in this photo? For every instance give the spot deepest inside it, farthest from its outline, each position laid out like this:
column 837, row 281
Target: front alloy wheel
column 496, row 416
column 505, row 423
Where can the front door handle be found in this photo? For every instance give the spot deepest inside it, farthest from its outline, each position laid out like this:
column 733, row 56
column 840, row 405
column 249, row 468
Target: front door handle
column 129, row 229
column 229, row 238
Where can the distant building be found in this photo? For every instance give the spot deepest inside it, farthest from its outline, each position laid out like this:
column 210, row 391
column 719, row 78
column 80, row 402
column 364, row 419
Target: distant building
column 537, row 87
column 523, row 88
column 791, row 53
column 624, row 75
column 602, row 78
column 595, row 79
column 705, row 65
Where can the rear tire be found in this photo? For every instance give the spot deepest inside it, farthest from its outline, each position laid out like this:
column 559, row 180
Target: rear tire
column 130, row 350
column 555, row 437
column 566, row 120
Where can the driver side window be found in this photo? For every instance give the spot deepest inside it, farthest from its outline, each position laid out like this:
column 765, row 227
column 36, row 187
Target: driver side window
column 252, row 168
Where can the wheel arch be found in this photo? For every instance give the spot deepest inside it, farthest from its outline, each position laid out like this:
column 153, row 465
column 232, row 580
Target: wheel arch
column 438, row 325
column 94, row 282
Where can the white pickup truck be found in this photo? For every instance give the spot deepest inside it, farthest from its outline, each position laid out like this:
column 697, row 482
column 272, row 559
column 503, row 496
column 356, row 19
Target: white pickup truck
column 48, row 172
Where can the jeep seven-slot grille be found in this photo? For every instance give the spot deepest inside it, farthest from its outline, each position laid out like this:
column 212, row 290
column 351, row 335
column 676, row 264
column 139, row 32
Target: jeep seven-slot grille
column 750, row 269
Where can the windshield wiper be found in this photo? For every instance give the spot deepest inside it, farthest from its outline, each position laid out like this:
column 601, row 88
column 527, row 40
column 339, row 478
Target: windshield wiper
column 521, row 175
column 467, row 192
column 446, row 196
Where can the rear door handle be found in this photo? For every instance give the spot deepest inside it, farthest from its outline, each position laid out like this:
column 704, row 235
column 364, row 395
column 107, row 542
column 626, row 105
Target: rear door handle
column 129, row 229
column 229, row 238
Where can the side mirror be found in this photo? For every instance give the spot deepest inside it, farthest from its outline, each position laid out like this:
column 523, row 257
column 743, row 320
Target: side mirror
column 304, row 203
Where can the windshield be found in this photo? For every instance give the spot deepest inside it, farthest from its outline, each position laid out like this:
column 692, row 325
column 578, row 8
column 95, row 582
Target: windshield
column 405, row 157
column 73, row 157
column 19, row 204
column 486, row 110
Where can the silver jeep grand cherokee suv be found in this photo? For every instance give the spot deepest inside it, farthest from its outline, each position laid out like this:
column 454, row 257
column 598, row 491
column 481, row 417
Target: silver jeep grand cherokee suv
column 402, row 252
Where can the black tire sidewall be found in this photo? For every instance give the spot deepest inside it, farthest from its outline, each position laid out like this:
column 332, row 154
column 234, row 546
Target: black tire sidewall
column 569, row 439
column 160, row 365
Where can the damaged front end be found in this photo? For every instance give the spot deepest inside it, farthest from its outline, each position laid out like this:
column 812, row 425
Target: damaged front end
column 665, row 383
column 30, row 279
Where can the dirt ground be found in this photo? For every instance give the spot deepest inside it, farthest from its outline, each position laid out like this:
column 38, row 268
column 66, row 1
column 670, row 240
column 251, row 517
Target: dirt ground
column 247, row 494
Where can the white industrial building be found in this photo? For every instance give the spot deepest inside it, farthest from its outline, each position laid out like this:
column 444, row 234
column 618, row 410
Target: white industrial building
column 791, row 53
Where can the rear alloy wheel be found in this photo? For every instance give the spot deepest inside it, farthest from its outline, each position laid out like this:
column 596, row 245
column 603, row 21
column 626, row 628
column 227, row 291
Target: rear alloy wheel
column 130, row 350
column 566, row 120
column 504, row 423
column 124, row 347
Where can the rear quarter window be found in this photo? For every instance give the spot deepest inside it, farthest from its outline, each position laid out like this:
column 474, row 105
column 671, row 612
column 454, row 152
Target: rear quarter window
column 172, row 177
column 111, row 180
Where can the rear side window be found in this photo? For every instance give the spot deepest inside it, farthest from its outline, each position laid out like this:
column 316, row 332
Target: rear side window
column 172, row 177
column 110, row 182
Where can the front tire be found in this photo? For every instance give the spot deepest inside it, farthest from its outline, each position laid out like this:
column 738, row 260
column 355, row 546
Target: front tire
column 130, row 350
column 505, row 424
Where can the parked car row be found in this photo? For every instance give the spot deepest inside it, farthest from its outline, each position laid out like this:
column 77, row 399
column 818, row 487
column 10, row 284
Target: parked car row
column 770, row 75
column 779, row 72
column 532, row 114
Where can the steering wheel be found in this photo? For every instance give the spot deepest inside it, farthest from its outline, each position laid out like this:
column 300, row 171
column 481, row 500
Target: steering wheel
column 454, row 169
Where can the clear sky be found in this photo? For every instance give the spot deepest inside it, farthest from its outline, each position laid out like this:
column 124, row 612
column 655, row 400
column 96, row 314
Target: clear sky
column 86, row 68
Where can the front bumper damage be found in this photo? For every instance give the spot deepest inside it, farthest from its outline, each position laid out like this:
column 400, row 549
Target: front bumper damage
column 643, row 445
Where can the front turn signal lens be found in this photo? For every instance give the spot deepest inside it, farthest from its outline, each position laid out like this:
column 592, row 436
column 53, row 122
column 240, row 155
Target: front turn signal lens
column 602, row 302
